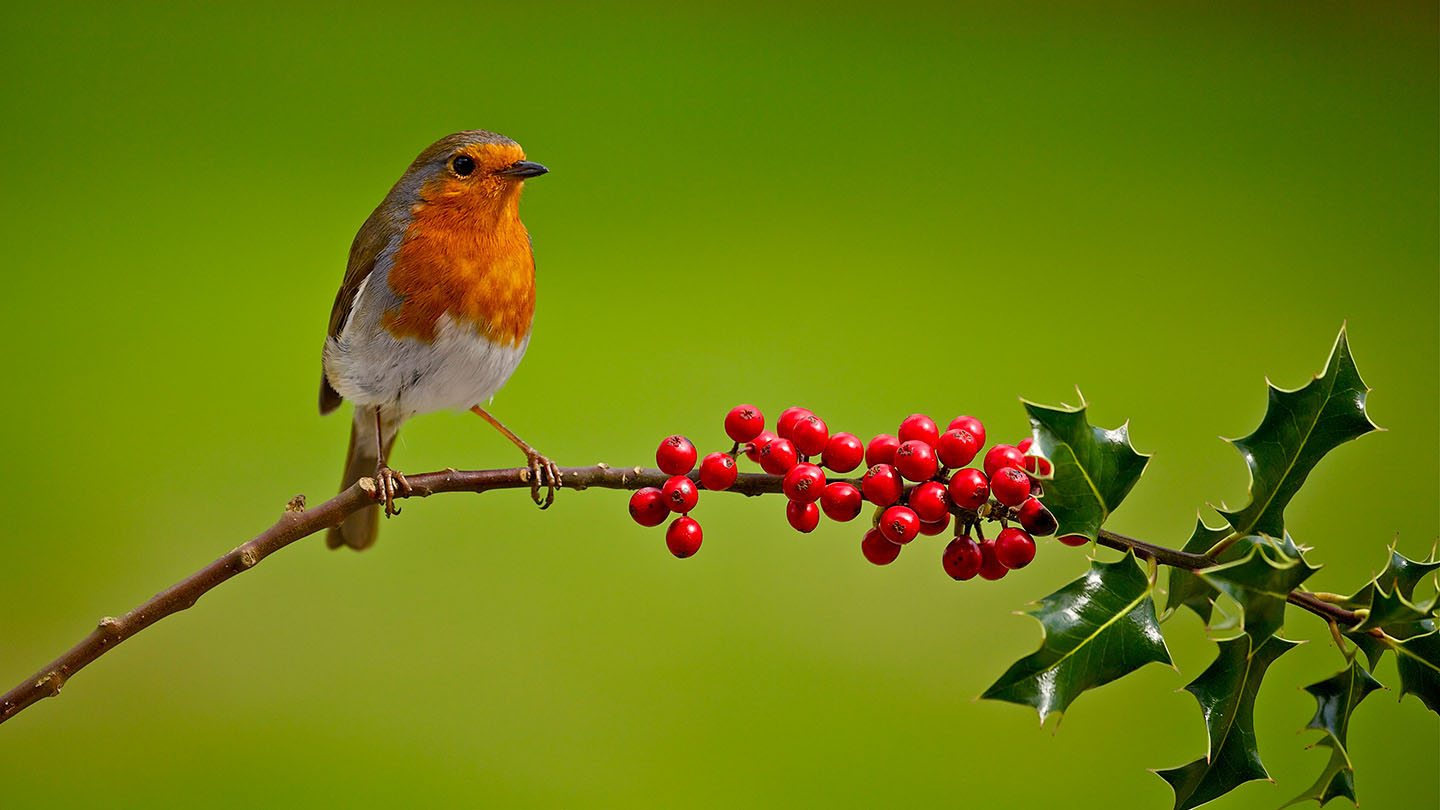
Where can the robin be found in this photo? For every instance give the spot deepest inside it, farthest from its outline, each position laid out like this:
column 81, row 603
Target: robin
column 434, row 311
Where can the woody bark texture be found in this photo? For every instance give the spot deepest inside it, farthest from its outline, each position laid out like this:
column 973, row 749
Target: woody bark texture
column 298, row 522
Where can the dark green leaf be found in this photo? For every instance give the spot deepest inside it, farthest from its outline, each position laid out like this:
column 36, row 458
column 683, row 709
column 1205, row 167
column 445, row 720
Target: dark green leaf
column 1299, row 428
column 1418, row 661
column 1098, row 628
column 1337, row 696
column 1260, row 586
column 1389, row 612
column 1335, row 699
column 1338, row 779
column 1094, row 468
column 1191, row 589
column 1395, row 615
column 1402, row 574
column 1186, row 587
column 1386, row 600
column 1226, row 691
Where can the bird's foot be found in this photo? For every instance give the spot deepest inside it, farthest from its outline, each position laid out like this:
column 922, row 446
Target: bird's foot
column 388, row 484
column 542, row 467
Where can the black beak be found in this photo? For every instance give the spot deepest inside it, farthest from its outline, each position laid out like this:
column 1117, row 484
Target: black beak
column 523, row 168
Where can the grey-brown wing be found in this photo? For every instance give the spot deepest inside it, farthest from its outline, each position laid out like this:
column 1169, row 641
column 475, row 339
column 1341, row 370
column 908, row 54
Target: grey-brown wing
column 363, row 252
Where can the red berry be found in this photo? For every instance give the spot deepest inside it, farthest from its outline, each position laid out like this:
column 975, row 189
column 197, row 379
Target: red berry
column 969, row 488
column 647, row 507
column 919, row 427
column 971, row 425
column 899, row 524
column 758, row 443
column 785, row 425
column 881, row 450
column 1036, row 519
column 877, row 549
column 718, row 471
column 683, row 537
column 841, row 501
column 929, row 501
column 744, row 422
column 1014, row 548
column 882, row 485
column 803, row 517
column 1002, row 455
column 803, row 483
column 680, row 494
column 1074, row 540
column 1024, row 445
column 932, row 529
column 990, row 567
column 843, row 452
column 962, row 559
column 916, row 460
column 675, row 456
column 957, row 448
column 1010, row 486
column 778, row 456
column 810, row 435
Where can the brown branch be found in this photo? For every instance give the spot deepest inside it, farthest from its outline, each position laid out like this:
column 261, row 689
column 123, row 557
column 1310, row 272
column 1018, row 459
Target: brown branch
column 298, row 522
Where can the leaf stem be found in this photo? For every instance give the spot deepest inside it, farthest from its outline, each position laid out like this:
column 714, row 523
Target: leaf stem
column 1220, row 547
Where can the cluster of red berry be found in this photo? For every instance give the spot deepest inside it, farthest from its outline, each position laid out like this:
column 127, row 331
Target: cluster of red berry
column 942, row 486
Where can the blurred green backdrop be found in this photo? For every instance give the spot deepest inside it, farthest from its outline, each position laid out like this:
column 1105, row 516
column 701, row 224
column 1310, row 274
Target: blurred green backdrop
column 870, row 211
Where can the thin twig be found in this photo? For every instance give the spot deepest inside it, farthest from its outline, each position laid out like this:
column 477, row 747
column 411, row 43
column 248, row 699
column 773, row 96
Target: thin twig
column 297, row 523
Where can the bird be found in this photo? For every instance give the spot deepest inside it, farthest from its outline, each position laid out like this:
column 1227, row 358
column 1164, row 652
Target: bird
column 434, row 312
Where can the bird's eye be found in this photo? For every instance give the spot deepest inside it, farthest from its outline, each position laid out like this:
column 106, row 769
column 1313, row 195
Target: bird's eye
column 463, row 165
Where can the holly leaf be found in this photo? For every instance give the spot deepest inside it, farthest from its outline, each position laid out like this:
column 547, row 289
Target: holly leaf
column 1186, row 587
column 1395, row 615
column 1096, row 629
column 1418, row 661
column 1299, row 428
column 1338, row 779
column 1190, row 589
column 1391, row 612
column 1093, row 468
column 1260, row 586
column 1336, row 698
column 1226, row 691
column 1402, row 574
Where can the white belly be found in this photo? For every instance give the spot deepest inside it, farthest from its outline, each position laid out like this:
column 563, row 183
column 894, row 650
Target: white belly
column 370, row 367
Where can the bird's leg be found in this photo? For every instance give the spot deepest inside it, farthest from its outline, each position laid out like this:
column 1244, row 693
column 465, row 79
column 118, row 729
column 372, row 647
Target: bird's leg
column 388, row 483
column 539, row 465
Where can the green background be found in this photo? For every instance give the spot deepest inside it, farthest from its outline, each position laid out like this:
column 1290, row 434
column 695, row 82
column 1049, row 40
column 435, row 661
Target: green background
column 868, row 211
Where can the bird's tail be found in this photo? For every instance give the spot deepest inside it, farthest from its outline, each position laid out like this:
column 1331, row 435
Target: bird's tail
column 361, row 528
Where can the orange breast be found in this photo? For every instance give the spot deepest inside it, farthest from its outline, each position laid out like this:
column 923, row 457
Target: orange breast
column 468, row 255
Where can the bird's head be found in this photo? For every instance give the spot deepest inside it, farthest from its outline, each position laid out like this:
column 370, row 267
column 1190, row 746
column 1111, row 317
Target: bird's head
column 471, row 172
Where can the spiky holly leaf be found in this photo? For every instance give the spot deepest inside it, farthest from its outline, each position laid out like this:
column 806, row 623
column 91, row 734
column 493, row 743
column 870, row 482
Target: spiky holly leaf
column 1336, row 698
column 1418, row 661
column 1190, row 589
column 1093, row 468
column 1096, row 629
column 1260, row 585
column 1338, row 779
column 1299, row 428
column 1186, row 587
column 1401, row 576
column 1391, row 611
column 1226, row 691
column 1395, row 615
